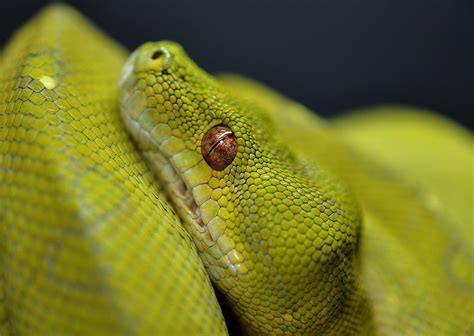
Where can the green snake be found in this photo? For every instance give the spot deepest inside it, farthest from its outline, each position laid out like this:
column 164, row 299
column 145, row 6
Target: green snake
column 129, row 184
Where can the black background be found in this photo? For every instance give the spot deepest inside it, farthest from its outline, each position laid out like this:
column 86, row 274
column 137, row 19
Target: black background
column 330, row 55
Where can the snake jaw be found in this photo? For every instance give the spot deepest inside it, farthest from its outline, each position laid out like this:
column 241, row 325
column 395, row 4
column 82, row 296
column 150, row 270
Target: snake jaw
column 180, row 194
column 185, row 175
column 208, row 230
column 133, row 103
column 208, row 234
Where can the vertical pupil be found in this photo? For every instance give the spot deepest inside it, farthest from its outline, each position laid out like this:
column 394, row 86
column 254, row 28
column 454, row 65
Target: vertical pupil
column 219, row 140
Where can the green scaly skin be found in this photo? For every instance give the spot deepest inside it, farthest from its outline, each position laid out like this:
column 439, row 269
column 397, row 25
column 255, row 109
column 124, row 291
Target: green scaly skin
column 88, row 243
column 416, row 256
column 279, row 238
column 312, row 229
column 414, row 260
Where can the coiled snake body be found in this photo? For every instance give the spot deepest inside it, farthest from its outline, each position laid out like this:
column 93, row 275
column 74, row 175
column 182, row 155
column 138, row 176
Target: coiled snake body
column 126, row 187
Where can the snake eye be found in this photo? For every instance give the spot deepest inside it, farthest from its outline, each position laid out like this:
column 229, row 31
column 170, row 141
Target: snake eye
column 219, row 147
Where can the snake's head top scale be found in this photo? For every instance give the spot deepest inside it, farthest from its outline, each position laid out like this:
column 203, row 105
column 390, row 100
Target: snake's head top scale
column 278, row 241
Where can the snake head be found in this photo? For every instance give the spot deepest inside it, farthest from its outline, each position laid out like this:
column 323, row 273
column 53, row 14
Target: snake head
column 278, row 238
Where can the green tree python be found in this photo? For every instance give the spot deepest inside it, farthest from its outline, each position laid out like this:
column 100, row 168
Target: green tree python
column 129, row 184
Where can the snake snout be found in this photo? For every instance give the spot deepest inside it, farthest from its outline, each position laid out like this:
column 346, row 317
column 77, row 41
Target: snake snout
column 152, row 57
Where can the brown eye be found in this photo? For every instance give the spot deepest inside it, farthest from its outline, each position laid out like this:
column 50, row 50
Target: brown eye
column 219, row 147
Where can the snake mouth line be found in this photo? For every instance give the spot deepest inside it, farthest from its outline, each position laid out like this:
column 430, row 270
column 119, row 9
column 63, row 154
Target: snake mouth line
column 184, row 175
column 180, row 193
column 132, row 107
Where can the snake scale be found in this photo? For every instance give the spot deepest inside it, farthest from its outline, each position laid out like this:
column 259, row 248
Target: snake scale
column 130, row 185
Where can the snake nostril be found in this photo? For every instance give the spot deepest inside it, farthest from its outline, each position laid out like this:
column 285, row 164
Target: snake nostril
column 157, row 54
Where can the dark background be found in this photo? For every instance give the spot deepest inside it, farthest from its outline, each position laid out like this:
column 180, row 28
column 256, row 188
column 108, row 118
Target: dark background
column 330, row 55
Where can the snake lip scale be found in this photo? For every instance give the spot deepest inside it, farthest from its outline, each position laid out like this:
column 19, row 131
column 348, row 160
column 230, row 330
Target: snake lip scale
column 162, row 163
column 177, row 188
column 172, row 181
column 163, row 160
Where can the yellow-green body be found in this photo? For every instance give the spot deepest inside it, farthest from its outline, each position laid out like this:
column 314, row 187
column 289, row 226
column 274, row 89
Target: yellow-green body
column 355, row 226
column 417, row 256
column 89, row 244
